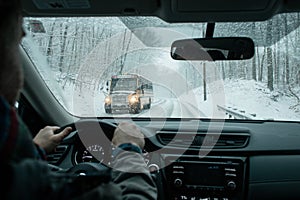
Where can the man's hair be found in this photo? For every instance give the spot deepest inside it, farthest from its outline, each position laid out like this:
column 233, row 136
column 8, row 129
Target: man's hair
column 10, row 12
column 10, row 70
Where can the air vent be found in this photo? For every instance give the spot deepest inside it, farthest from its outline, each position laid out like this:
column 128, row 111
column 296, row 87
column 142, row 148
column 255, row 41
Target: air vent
column 203, row 140
column 55, row 157
column 181, row 139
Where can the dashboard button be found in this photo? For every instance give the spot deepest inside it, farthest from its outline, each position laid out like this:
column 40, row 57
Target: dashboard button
column 231, row 185
column 177, row 182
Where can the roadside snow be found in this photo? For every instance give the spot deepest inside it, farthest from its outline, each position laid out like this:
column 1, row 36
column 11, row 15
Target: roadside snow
column 255, row 98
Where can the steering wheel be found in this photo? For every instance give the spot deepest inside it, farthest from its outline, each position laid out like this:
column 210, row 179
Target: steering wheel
column 89, row 131
column 89, row 174
column 90, row 124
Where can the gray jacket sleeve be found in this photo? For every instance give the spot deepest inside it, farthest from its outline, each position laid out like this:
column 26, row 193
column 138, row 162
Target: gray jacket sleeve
column 132, row 175
column 32, row 179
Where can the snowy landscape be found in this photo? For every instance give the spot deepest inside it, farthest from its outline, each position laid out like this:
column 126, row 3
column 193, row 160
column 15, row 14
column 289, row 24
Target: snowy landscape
column 77, row 57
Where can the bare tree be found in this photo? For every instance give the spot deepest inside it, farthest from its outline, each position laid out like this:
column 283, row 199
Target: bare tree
column 62, row 49
column 270, row 68
column 253, row 59
column 49, row 46
column 287, row 64
column 254, row 68
column 125, row 48
column 261, row 66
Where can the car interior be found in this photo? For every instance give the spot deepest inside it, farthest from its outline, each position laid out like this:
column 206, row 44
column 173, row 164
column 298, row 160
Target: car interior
column 222, row 119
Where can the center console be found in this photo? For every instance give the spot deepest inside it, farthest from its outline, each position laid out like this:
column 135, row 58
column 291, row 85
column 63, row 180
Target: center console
column 210, row 178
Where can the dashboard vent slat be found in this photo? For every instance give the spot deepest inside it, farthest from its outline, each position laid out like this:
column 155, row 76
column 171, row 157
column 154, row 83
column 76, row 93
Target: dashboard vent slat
column 57, row 154
column 203, row 140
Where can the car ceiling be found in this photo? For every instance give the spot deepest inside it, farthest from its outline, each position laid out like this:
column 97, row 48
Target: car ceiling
column 168, row 10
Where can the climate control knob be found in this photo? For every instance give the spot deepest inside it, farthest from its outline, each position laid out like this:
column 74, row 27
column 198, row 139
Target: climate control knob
column 178, row 182
column 231, row 185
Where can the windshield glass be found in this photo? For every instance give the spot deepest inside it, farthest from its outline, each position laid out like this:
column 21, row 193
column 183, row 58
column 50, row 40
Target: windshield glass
column 119, row 84
column 85, row 60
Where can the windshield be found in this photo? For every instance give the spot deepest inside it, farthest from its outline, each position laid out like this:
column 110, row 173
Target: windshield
column 125, row 84
column 78, row 58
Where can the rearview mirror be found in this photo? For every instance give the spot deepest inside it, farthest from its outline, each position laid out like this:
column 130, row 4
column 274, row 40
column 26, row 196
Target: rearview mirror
column 211, row 49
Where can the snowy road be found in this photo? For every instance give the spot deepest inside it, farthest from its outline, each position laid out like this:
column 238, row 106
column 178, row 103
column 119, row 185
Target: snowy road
column 164, row 108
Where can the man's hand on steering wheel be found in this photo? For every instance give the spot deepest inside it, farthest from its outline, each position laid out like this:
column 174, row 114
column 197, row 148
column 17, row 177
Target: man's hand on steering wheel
column 48, row 140
column 128, row 133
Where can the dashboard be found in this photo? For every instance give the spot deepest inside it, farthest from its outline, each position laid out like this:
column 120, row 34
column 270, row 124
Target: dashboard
column 201, row 159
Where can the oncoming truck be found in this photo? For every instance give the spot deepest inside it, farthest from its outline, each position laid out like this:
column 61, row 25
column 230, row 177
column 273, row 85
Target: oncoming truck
column 128, row 93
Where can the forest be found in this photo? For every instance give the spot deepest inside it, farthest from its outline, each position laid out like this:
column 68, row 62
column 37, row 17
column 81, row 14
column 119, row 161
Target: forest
column 88, row 51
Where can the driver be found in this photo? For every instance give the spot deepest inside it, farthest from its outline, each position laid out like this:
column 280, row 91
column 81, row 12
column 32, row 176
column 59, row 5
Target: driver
column 24, row 175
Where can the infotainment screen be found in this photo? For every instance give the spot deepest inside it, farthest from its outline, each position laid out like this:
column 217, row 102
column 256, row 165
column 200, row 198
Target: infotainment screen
column 204, row 174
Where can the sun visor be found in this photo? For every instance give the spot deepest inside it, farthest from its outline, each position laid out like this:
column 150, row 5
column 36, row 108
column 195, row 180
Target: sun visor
column 89, row 7
column 188, row 6
column 222, row 10
column 167, row 10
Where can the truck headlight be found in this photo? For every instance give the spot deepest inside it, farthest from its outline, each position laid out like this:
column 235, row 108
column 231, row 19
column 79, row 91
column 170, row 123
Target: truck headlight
column 133, row 99
column 107, row 100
